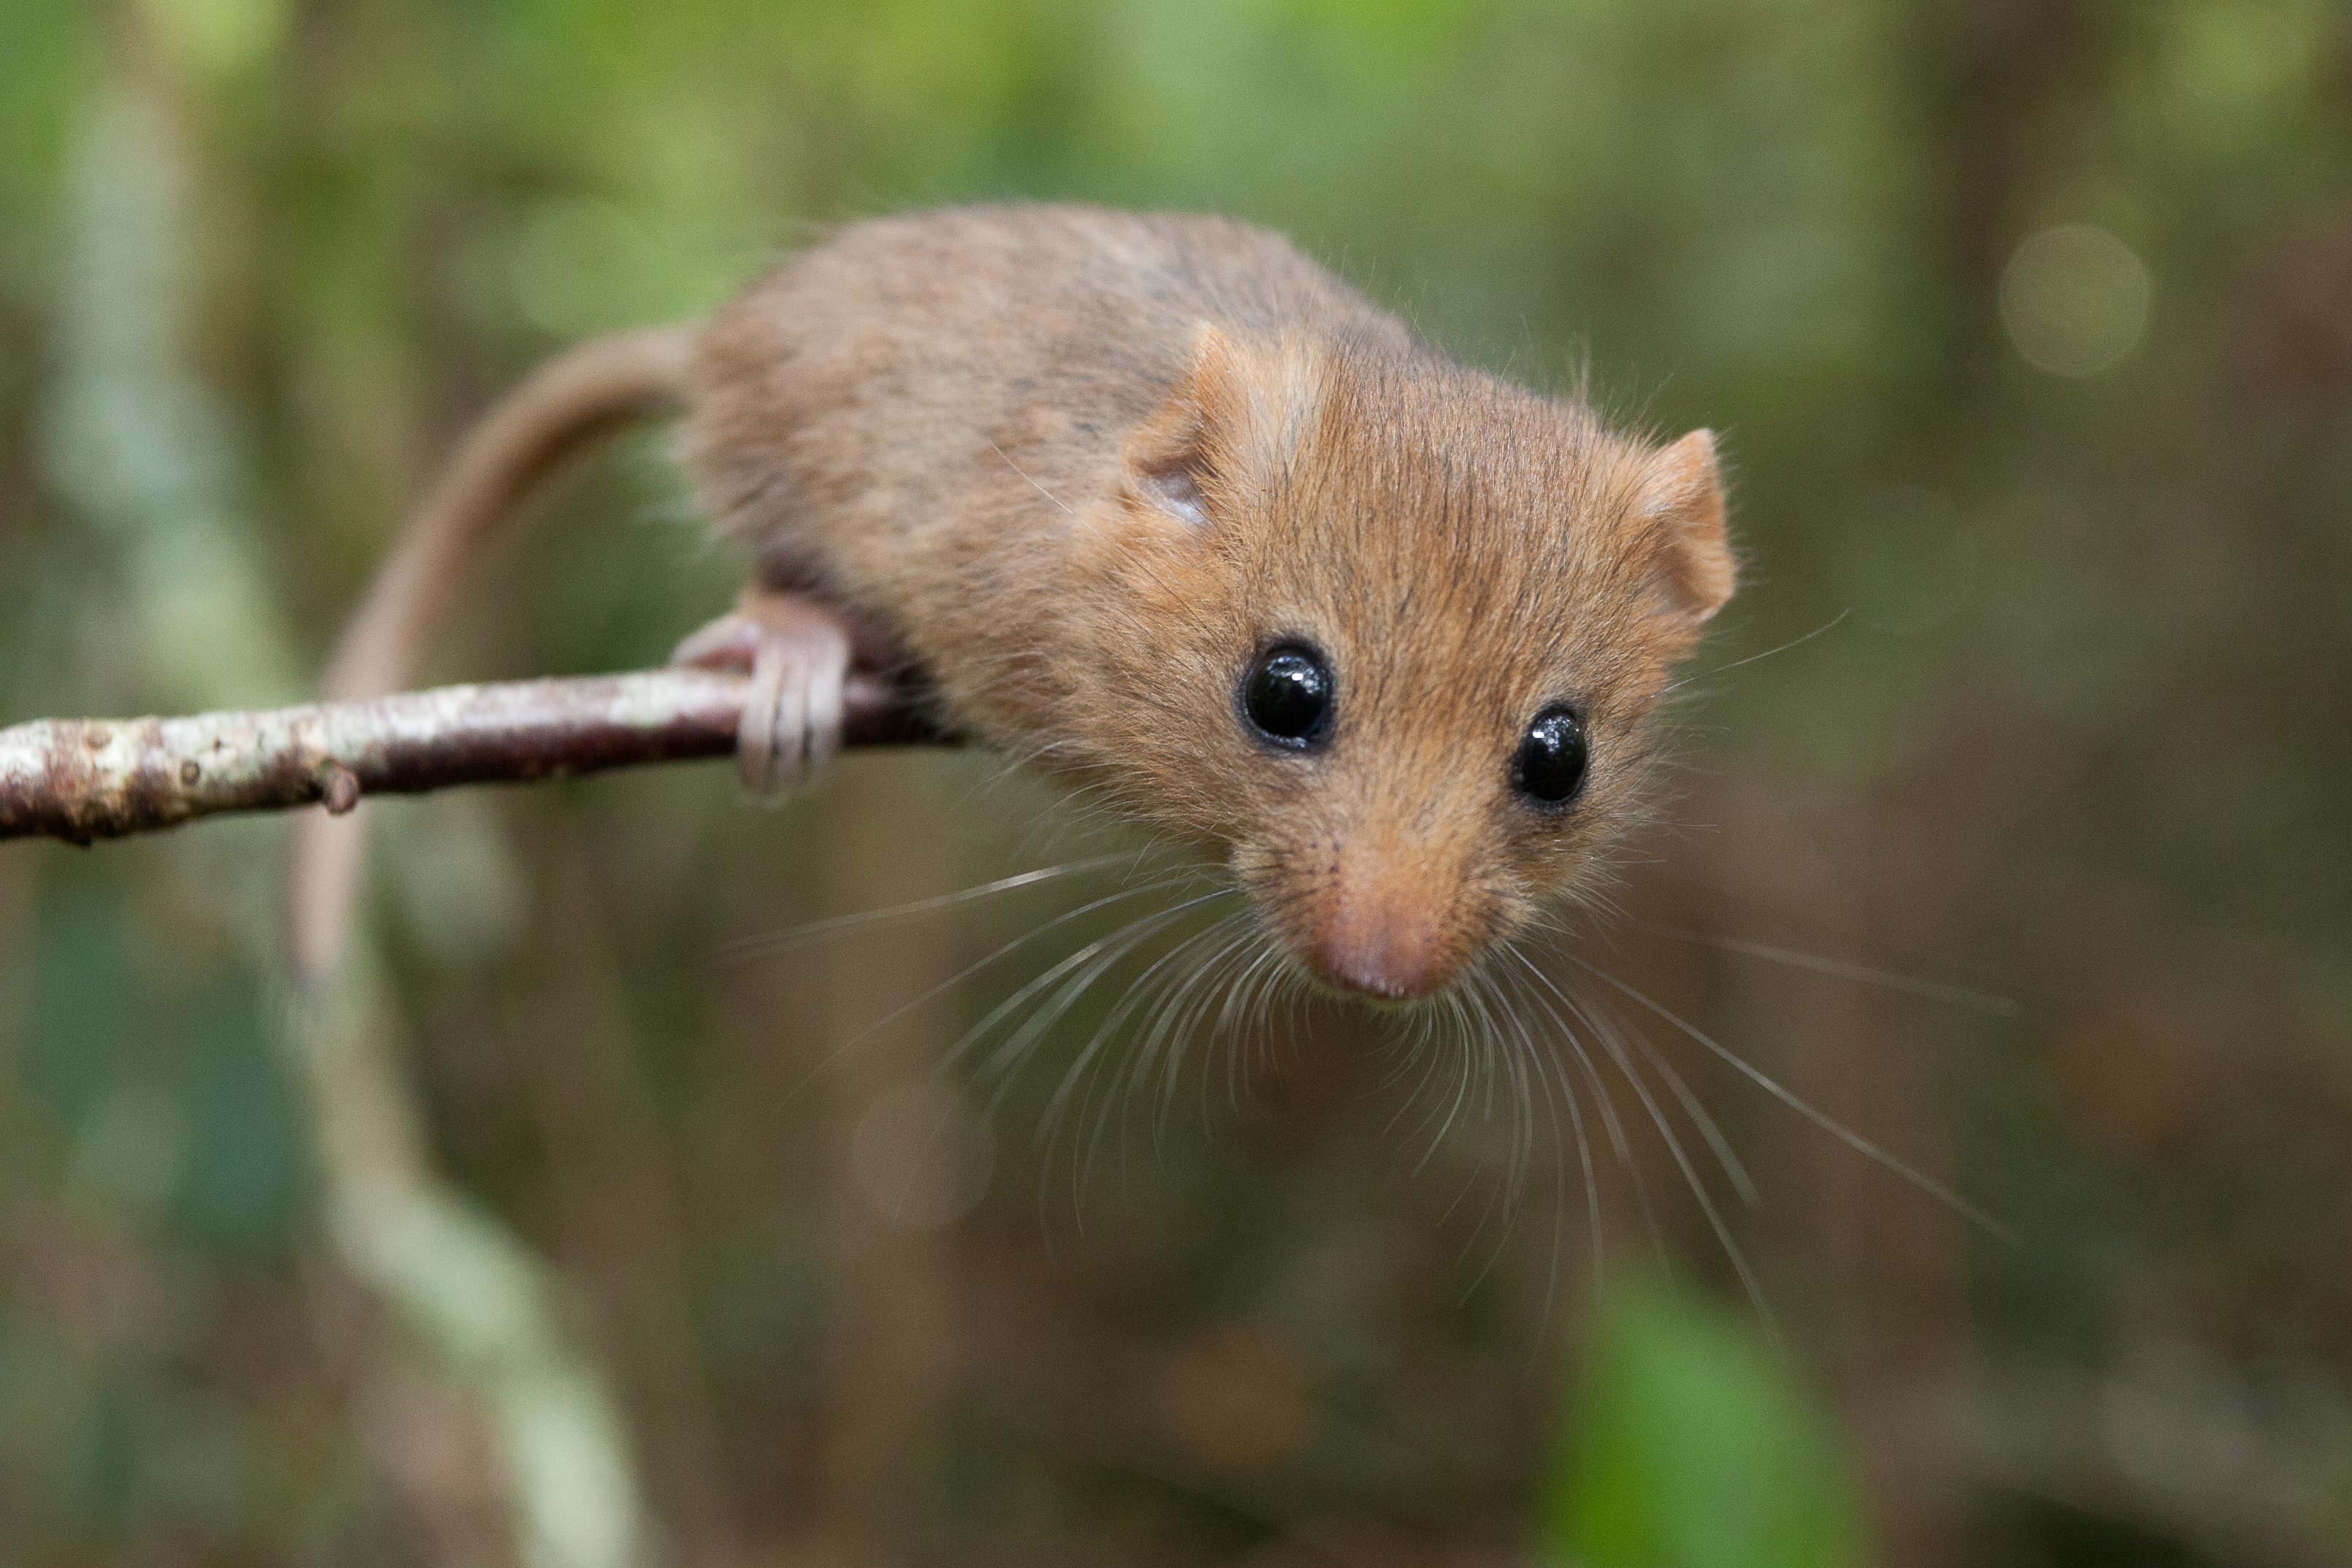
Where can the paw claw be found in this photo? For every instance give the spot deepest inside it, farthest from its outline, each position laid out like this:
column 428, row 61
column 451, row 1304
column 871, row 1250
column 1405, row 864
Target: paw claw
column 797, row 653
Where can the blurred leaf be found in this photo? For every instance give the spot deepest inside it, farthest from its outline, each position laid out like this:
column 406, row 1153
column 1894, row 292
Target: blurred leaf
column 219, row 37
column 80, row 1005
column 47, row 67
column 242, row 1183
column 1694, row 1447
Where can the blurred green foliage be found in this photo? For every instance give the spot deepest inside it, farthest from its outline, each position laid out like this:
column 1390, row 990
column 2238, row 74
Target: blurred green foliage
column 1694, row 1447
column 2076, row 732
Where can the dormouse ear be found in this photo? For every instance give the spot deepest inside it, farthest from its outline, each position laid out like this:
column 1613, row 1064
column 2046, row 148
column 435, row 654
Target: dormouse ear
column 1169, row 459
column 1682, row 492
column 1230, row 423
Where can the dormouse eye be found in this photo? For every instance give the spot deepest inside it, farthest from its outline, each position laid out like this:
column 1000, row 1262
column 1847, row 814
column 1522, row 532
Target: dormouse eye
column 1550, row 766
column 1287, row 695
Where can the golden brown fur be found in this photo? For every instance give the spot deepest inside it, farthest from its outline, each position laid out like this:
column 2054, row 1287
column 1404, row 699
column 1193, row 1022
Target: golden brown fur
column 968, row 426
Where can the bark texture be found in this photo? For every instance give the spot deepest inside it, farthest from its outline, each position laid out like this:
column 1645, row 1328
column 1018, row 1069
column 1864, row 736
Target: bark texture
column 85, row 780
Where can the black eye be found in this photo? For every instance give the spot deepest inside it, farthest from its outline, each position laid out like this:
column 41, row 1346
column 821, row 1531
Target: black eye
column 1287, row 695
column 1550, row 766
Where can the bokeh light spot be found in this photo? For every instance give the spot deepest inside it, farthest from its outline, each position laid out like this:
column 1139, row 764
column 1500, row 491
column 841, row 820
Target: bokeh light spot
column 2074, row 299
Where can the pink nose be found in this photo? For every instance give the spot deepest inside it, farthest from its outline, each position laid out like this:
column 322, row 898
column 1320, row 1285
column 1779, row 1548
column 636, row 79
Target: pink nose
column 1383, row 948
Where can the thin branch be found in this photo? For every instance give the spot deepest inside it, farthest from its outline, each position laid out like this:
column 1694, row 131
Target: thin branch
column 84, row 779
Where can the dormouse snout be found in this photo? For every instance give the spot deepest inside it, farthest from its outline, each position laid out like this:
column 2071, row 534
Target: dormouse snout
column 1388, row 916
column 1384, row 942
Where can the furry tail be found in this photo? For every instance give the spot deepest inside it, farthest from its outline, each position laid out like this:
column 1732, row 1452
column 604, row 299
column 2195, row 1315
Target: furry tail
column 565, row 406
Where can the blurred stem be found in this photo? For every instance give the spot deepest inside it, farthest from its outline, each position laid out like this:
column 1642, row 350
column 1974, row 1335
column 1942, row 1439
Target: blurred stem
column 471, row 1293
column 152, row 458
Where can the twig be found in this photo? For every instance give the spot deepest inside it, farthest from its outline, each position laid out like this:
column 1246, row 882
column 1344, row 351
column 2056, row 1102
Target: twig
column 84, row 779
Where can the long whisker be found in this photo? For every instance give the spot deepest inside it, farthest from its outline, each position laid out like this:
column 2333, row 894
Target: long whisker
column 1733, row 1170
column 1405, row 1050
column 1913, row 985
column 1238, row 1024
column 1828, row 1123
column 1830, row 625
column 1524, row 1130
column 1503, row 1208
column 1092, row 961
column 1455, row 1015
column 1116, row 945
column 1619, row 1144
column 1231, row 1018
column 1501, row 1066
column 1217, row 998
column 1606, row 1103
column 1418, row 1050
column 1614, row 1031
column 1425, row 1048
column 1464, row 1041
column 1103, row 955
column 966, row 973
column 1539, row 1116
column 1247, row 932
column 765, row 944
column 1178, row 1018
column 1151, row 987
column 1278, row 987
column 1565, row 1090
column 1612, row 1041
column 1136, row 1067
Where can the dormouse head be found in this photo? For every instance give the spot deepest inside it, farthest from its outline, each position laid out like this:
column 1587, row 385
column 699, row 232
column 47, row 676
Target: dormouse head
column 1390, row 630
